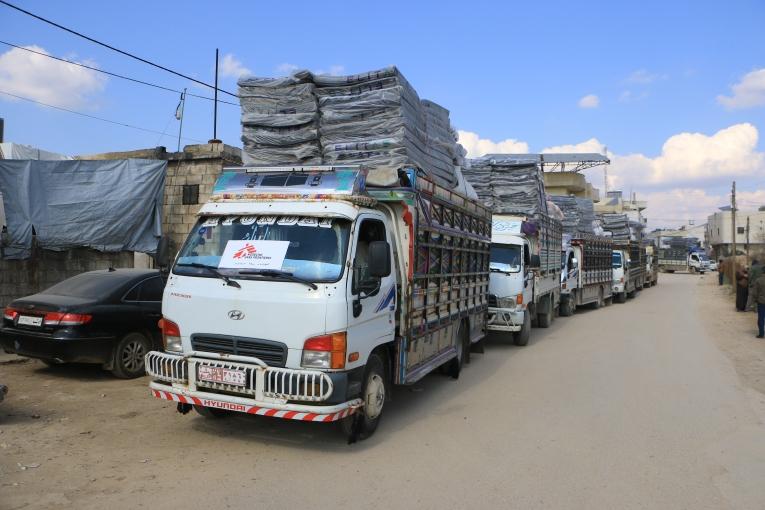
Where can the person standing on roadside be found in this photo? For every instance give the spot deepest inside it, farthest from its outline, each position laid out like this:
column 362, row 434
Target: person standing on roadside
column 720, row 272
column 758, row 298
column 742, row 286
column 755, row 270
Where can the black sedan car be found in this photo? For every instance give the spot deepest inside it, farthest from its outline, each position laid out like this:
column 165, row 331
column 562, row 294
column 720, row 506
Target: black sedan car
column 107, row 317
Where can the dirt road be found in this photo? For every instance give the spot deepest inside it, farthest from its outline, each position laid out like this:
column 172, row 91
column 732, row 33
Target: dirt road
column 650, row 404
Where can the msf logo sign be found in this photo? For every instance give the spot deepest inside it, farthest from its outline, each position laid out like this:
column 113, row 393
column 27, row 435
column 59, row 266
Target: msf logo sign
column 246, row 251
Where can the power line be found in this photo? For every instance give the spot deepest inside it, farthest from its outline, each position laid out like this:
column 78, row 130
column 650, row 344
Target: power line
column 127, row 54
column 110, row 73
column 93, row 116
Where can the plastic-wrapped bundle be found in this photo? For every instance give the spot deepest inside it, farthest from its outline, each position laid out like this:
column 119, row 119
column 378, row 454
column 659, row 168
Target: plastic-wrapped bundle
column 571, row 215
column 375, row 119
column 279, row 120
column 507, row 185
column 587, row 215
column 617, row 225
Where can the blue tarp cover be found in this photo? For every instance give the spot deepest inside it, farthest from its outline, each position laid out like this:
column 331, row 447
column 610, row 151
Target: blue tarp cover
column 110, row 205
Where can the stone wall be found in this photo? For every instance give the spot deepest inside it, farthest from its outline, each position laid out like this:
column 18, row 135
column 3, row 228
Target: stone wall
column 198, row 165
column 19, row 278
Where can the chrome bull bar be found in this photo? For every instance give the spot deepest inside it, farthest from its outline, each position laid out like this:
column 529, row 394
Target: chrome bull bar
column 263, row 383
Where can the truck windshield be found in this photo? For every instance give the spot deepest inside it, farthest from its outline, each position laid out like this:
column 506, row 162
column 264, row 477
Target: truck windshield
column 309, row 248
column 616, row 260
column 505, row 258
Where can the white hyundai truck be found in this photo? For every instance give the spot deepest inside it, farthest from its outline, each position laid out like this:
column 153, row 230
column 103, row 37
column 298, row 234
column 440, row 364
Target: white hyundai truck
column 587, row 274
column 303, row 293
column 524, row 287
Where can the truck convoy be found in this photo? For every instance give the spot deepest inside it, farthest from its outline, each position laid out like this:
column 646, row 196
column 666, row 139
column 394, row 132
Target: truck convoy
column 304, row 293
column 587, row 274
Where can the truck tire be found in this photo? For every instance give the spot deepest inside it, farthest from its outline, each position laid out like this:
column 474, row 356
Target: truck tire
column 521, row 338
column 545, row 319
column 363, row 423
column 454, row 367
column 129, row 356
column 567, row 307
column 621, row 297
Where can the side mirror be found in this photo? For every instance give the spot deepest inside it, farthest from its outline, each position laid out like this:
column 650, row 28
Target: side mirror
column 379, row 259
column 534, row 262
column 574, row 263
column 162, row 255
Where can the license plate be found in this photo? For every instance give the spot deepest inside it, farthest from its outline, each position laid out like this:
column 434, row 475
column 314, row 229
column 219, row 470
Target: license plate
column 222, row 375
column 27, row 320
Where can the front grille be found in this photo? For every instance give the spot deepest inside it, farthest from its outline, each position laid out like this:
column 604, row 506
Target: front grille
column 492, row 301
column 273, row 354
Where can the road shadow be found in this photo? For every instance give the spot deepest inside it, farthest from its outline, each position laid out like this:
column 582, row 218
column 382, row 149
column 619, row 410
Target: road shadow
column 82, row 372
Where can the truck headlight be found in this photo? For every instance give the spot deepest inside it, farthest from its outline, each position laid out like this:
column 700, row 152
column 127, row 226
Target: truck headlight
column 510, row 303
column 171, row 335
column 325, row 351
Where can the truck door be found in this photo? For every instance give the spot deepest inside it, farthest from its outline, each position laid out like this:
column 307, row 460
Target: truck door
column 371, row 301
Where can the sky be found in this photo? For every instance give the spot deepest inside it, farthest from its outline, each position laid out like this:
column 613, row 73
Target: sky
column 673, row 92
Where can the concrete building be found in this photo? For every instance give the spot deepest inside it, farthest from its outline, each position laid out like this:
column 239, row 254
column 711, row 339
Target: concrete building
column 719, row 233
column 615, row 203
column 568, row 184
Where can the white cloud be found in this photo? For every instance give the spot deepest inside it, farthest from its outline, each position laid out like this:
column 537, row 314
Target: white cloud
column 589, row 146
column 676, row 206
column 748, row 93
column 286, row 68
column 643, row 77
column 477, row 146
column 589, row 101
column 49, row 81
column 230, row 66
column 335, row 70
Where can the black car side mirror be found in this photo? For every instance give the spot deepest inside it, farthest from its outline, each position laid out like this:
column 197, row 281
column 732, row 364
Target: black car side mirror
column 535, row 262
column 379, row 259
column 162, row 255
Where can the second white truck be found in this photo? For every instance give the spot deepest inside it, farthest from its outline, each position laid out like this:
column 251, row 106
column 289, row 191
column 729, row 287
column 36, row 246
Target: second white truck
column 524, row 287
column 587, row 273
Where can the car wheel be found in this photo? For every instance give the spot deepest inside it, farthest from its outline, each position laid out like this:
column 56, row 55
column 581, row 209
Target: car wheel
column 129, row 356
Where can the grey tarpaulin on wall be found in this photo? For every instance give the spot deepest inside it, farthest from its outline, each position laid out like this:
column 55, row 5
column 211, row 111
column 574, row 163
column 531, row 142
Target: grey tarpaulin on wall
column 110, row 205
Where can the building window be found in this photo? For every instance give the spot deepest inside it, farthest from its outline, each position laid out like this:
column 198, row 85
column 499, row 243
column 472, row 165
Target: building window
column 740, row 230
column 190, row 194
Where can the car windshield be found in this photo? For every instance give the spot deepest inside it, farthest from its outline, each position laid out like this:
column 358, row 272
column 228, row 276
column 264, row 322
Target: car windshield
column 505, row 258
column 616, row 260
column 309, row 248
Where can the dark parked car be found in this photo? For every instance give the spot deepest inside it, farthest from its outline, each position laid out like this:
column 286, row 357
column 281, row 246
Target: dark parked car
column 107, row 317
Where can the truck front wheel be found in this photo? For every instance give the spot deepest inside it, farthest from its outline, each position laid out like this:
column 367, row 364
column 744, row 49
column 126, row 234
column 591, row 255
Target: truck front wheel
column 363, row 423
column 521, row 338
column 621, row 297
column 545, row 319
column 567, row 306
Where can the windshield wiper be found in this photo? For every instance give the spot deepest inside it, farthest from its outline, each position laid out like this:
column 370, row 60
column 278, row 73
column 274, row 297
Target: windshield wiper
column 213, row 271
column 280, row 274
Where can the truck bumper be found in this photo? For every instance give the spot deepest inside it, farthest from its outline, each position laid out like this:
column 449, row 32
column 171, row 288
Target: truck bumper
column 618, row 288
column 504, row 319
column 306, row 395
column 250, row 406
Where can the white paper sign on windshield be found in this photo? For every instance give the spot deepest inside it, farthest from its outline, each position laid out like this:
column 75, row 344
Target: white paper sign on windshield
column 254, row 254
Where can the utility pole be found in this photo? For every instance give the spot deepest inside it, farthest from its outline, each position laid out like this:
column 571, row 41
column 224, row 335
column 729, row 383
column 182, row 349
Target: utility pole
column 733, row 226
column 215, row 107
column 179, row 116
column 747, row 240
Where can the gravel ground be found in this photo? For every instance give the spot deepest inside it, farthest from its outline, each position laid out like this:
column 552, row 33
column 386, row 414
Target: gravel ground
column 657, row 403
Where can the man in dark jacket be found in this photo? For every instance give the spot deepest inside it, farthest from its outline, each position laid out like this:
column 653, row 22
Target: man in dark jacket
column 758, row 299
column 742, row 287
